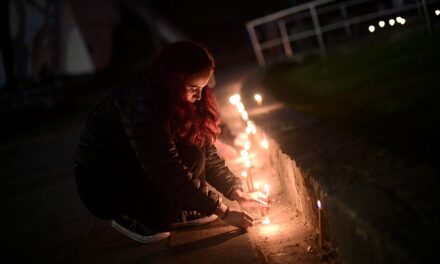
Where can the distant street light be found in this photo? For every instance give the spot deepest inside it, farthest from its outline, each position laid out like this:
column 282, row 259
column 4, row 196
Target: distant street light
column 402, row 21
column 391, row 22
column 371, row 29
column 437, row 12
column 381, row 24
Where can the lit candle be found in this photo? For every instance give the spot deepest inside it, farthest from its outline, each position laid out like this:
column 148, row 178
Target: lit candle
column 264, row 143
column 244, row 153
column 251, row 181
column 245, row 115
column 245, row 176
column 248, row 130
column 392, row 22
column 265, row 210
column 258, row 98
column 266, row 220
column 321, row 234
column 248, row 163
column 240, row 107
column 235, row 99
column 247, row 145
column 266, row 189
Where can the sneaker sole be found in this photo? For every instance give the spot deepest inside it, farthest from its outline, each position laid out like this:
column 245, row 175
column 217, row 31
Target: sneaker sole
column 201, row 221
column 137, row 237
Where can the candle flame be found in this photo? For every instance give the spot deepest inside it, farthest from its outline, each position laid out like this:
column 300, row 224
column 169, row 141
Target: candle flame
column 250, row 128
column 319, row 204
column 265, row 144
column 245, row 115
column 235, row 99
column 258, row 98
column 247, row 145
column 266, row 220
column 240, row 107
column 266, row 188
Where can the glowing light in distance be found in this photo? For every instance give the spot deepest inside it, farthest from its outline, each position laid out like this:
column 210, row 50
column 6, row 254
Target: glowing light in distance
column 244, row 153
column 235, row 99
column 244, row 174
column 319, row 204
column 247, row 145
column 391, row 22
column 247, row 163
column 437, row 12
column 258, row 98
column 400, row 20
column 381, row 23
column 264, row 144
column 257, row 185
column 371, row 29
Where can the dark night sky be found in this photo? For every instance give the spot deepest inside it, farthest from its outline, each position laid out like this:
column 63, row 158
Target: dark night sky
column 219, row 24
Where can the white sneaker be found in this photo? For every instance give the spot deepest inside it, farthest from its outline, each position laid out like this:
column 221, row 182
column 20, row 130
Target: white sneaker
column 137, row 230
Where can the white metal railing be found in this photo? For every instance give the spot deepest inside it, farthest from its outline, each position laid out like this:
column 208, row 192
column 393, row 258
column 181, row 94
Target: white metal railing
column 282, row 18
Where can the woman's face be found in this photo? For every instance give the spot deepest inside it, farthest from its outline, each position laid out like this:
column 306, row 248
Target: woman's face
column 194, row 86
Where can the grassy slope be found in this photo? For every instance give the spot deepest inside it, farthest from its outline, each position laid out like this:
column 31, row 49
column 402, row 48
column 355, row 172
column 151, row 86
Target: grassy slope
column 386, row 93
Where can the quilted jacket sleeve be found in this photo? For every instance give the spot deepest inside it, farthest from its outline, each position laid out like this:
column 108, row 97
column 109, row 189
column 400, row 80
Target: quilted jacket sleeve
column 150, row 137
column 219, row 175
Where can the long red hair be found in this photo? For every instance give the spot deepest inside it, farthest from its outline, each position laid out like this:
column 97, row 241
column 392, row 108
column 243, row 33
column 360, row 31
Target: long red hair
column 192, row 122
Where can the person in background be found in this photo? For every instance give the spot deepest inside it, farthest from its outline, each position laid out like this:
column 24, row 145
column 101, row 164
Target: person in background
column 147, row 152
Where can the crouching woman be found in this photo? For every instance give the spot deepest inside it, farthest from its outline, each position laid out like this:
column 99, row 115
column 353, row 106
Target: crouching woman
column 147, row 152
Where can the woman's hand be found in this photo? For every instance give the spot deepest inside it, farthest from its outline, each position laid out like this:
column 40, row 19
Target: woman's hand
column 253, row 199
column 239, row 218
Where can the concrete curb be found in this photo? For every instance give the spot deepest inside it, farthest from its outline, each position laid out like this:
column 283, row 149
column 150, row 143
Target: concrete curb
column 376, row 208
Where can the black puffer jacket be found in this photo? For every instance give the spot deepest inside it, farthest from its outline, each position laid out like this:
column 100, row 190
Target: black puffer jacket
column 130, row 128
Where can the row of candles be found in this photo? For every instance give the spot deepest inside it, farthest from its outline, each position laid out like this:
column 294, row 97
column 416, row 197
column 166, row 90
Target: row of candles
column 244, row 153
column 251, row 137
